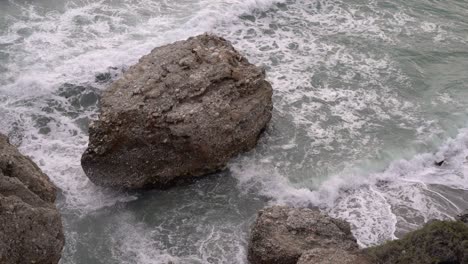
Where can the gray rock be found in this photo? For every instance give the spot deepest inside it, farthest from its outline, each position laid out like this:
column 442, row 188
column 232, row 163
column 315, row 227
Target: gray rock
column 183, row 111
column 282, row 234
column 30, row 225
column 332, row 256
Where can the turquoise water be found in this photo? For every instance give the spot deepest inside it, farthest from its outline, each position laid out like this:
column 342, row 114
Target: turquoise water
column 367, row 94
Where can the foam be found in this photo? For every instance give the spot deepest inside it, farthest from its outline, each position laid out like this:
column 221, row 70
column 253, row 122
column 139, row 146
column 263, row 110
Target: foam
column 403, row 196
column 133, row 243
column 86, row 38
column 343, row 101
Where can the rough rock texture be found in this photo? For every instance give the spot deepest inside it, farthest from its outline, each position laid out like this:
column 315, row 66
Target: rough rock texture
column 184, row 110
column 281, row 235
column 30, row 225
column 332, row 256
column 437, row 242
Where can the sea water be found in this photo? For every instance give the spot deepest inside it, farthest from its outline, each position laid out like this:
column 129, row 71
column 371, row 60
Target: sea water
column 368, row 95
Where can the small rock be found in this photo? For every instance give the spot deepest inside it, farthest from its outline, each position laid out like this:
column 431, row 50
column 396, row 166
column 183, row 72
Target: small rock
column 282, row 234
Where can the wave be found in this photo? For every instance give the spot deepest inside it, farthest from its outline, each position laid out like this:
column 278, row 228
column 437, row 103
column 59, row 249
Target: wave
column 379, row 205
column 48, row 48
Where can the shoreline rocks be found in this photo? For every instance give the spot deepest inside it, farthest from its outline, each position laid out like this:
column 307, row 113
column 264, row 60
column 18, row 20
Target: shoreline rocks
column 283, row 234
column 287, row 235
column 30, row 225
column 181, row 112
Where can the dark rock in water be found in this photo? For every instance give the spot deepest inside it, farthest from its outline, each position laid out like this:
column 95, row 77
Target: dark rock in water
column 332, row 256
column 106, row 77
column 80, row 97
column 183, row 111
column 282, row 234
column 103, row 77
column 439, row 163
column 30, row 225
column 463, row 217
column 437, row 242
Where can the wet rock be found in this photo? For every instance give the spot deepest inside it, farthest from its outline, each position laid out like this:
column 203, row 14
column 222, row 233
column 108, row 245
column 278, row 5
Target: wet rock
column 103, row 77
column 183, row 111
column 332, row 256
column 30, row 225
column 282, row 234
column 79, row 97
column 437, row 242
column 107, row 77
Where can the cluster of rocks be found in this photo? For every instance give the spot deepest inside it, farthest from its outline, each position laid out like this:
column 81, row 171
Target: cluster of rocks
column 286, row 235
column 30, row 224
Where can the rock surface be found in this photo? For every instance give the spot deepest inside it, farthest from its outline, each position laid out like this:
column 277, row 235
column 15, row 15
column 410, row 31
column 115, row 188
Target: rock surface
column 282, row 234
column 332, row 256
column 437, row 242
column 183, row 111
column 30, row 225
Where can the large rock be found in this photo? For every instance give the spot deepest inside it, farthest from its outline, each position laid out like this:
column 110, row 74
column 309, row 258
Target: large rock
column 30, row 225
column 183, row 111
column 281, row 235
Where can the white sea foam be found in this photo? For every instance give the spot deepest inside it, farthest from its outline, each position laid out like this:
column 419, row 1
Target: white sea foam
column 379, row 205
column 134, row 243
column 72, row 46
column 339, row 98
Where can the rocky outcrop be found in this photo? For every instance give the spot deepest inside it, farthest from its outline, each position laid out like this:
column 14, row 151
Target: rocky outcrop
column 183, row 111
column 437, row 242
column 30, row 225
column 282, row 234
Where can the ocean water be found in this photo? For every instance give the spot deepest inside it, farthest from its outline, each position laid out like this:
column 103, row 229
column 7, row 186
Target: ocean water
column 368, row 95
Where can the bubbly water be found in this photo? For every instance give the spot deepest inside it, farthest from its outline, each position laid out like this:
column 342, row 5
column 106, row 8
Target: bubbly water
column 368, row 95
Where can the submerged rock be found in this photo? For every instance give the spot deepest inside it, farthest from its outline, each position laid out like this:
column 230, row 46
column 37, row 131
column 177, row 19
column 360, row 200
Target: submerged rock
column 282, row 234
column 30, row 225
column 437, row 242
column 183, row 111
